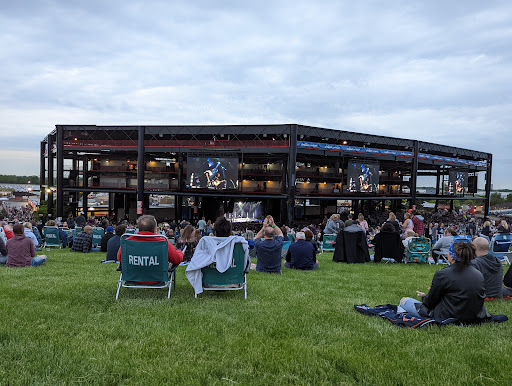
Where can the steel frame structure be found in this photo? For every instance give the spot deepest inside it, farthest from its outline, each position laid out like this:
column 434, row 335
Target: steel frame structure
column 83, row 143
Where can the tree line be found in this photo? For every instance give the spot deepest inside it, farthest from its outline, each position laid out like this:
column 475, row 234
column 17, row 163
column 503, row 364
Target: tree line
column 12, row 179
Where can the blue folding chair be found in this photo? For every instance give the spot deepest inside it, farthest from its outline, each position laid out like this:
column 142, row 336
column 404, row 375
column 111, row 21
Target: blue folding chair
column 500, row 245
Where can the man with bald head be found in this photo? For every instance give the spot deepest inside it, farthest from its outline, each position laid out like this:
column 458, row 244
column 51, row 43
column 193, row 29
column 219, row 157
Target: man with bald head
column 491, row 268
column 268, row 250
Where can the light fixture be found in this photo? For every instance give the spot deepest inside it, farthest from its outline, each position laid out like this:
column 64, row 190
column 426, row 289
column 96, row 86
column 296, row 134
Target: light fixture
column 344, row 142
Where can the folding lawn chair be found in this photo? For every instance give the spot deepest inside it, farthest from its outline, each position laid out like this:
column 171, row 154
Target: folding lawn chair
column 456, row 239
column 500, row 245
column 51, row 237
column 284, row 249
column 77, row 231
column 328, row 243
column 235, row 276
column 131, row 231
column 418, row 250
column 97, row 235
column 144, row 263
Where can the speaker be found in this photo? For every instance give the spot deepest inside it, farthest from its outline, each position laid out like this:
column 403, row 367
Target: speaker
column 472, row 184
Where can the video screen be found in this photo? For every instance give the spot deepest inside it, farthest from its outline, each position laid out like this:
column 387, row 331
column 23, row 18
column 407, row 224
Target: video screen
column 363, row 177
column 212, row 173
column 457, row 182
column 247, row 211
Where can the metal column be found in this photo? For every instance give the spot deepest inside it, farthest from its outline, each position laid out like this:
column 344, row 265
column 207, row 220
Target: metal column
column 85, row 204
column 178, row 199
column 50, row 176
column 488, row 187
column 140, row 167
column 60, row 172
column 292, row 171
column 42, row 171
column 414, row 172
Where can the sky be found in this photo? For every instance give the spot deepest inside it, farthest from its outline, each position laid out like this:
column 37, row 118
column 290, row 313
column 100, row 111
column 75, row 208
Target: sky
column 437, row 71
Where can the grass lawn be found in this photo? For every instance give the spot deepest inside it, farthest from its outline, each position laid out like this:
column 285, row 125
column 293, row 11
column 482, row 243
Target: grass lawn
column 61, row 325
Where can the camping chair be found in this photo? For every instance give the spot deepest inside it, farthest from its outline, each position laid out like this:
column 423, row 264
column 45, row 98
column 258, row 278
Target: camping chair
column 77, row 230
column 418, row 250
column 51, row 237
column 328, row 243
column 143, row 263
column 97, row 235
column 284, row 249
column 38, row 235
column 235, row 275
column 500, row 244
column 131, row 231
column 456, row 239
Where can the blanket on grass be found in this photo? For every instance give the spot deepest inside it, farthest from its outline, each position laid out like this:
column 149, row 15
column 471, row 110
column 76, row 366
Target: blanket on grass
column 404, row 319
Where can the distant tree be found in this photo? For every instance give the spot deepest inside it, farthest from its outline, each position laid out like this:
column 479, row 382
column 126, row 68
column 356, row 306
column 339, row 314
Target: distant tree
column 509, row 197
column 496, row 198
column 12, row 179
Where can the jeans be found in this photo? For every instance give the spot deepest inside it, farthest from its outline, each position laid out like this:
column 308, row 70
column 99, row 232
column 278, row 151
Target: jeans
column 38, row 260
column 3, row 259
column 288, row 265
column 408, row 305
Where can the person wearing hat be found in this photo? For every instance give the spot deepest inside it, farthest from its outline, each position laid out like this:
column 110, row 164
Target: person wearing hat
column 109, row 233
column 457, row 291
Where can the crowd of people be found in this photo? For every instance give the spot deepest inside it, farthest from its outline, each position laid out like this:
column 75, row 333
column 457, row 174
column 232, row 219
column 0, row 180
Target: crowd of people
column 473, row 273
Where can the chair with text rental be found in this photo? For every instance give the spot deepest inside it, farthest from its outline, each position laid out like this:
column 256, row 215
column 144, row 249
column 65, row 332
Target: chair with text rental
column 235, row 277
column 500, row 244
column 97, row 235
column 51, row 237
column 144, row 264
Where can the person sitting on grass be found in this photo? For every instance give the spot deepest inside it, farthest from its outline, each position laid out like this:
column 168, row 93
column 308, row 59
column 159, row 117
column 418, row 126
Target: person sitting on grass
column 491, row 268
column 28, row 232
column 83, row 241
column 3, row 252
column 310, row 238
column 114, row 243
column 268, row 250
column 457, row 291
column 21, row 251
column 301, row 254
column 147, row 225
column 109, row 233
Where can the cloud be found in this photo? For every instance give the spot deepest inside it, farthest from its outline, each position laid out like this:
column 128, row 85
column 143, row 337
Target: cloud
column 433, row 71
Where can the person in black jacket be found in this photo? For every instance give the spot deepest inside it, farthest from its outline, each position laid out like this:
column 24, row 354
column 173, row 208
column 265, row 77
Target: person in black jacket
column 109, row 233
column 351, row 245
column 457, row 291
column 388, row 244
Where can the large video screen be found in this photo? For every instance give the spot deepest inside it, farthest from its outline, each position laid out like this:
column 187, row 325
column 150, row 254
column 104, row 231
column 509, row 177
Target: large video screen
column 457, row 182
column 363, row 176
column 212, row 173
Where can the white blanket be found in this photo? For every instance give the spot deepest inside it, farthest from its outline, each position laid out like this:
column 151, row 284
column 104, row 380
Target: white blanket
column 209, row 250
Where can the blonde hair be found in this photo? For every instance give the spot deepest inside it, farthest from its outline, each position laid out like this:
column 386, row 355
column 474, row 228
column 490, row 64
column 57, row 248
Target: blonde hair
column 504, row 224
column 27, row 225
column 392, row 217
column 487, row 223
column 335, row 217
column 360, row 217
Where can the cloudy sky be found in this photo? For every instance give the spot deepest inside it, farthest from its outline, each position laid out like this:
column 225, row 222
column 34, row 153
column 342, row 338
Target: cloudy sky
column 439, row 71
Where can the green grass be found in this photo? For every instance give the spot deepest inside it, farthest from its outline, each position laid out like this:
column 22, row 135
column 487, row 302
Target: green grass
column 61, row 325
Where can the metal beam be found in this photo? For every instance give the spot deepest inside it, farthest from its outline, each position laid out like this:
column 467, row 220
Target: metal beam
column 488, row 173
column 60, row 173
column 140, row 167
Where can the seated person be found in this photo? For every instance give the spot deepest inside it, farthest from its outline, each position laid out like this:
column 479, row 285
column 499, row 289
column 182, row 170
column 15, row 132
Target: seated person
column 109, row 233
column 457, row 291
column 63, row 236
column 21, row 251
column 301, row 254
column 388, row 244
column 83, row 241
column 28, row 232
column 268, row 250
column 8, row 231
column 37, row 233
column 491, row 268
column 187, row 239
column 442, row 245
column 147, row 226
column 409, row 235
column 216, row 249
column 114, row 243
column 3, row 252
column 311, row 239
column 249, row 236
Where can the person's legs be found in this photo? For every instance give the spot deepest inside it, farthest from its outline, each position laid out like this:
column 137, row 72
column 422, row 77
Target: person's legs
column 408, row 304
column 315, row 266
column 3, row 259
column 287, row 264
column 38, row 260
column 507, row 292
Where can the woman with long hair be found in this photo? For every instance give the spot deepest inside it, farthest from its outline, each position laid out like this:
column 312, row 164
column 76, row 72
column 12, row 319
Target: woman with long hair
column 457, row 291
column 362, row 222
column 187, row 239
column 503, row 227
column 407, row 224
